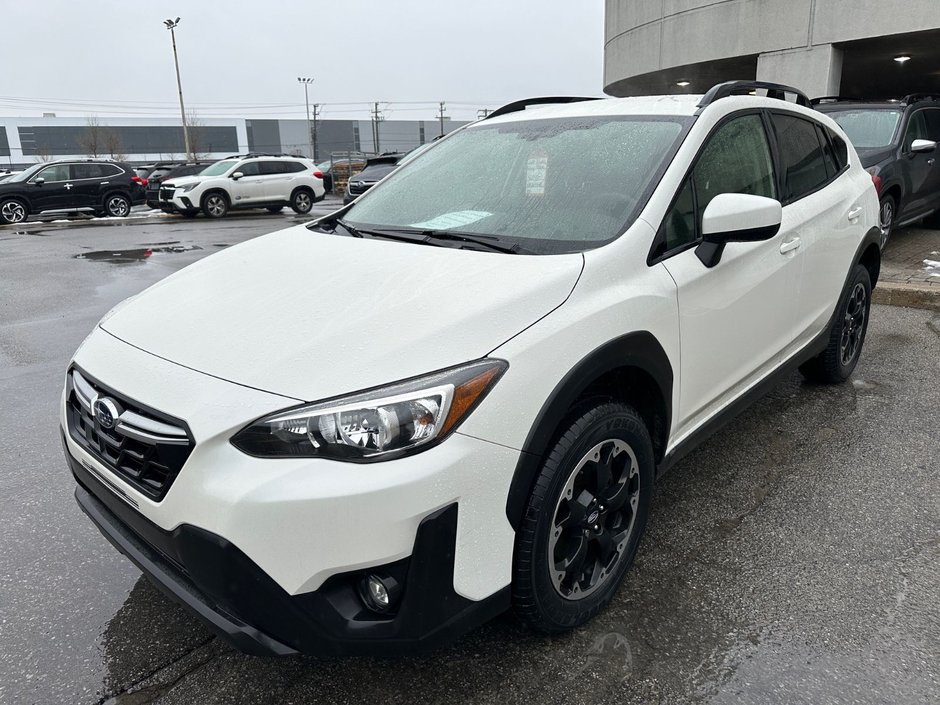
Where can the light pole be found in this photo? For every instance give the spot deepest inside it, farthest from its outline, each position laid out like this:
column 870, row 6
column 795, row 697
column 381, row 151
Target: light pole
column 310, row 134
column 171, row 25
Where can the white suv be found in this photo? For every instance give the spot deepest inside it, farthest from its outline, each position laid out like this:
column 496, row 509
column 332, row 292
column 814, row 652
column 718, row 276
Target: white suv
column 373, row 432
column 246, row 181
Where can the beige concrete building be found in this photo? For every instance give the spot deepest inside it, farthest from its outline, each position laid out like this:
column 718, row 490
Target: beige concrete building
column 824, row 47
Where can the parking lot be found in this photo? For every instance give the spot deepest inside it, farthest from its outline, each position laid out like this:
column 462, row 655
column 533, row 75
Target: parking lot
column 794, row 558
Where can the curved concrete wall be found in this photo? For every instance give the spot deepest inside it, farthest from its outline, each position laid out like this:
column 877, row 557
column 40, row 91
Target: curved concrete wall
column 644, row 38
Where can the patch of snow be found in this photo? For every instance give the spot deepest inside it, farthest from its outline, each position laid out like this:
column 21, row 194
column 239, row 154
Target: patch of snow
column 931, row 264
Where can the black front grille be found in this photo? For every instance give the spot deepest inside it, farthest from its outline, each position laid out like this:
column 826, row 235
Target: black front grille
column 166, row 194
column 357, row 187
column 145, row 448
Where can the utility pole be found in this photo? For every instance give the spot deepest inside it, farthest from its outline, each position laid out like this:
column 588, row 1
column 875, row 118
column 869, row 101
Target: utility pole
column 316, row 114
column 376, row 117
column 311, row 139
column 441, row 117
column 171, row 25
column 482, row 113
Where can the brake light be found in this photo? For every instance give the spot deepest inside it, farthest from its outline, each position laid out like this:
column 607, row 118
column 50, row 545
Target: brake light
column 318, row 174
column 875, row 179
column 137, row 180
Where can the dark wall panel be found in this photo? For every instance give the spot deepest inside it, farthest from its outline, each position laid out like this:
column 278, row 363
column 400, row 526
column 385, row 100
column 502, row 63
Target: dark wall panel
column 263, row 136
column 4, row 142
column 164, row 139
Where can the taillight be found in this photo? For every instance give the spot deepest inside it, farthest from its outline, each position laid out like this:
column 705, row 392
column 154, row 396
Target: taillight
column 138, row 180
column 875, row 179
column 318, row 174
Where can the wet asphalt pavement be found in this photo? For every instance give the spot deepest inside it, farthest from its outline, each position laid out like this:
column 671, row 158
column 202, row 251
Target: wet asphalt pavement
column 795, row 558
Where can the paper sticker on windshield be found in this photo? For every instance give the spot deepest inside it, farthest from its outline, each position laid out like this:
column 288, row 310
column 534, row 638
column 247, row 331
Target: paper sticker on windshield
column 452, row 220
column 535, row 174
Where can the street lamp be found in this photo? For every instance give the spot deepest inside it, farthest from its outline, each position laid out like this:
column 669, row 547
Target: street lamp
column 311, row 133
column 171, row 25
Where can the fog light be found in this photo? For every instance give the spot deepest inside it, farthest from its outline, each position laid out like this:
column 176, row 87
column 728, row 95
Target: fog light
column 380, row 593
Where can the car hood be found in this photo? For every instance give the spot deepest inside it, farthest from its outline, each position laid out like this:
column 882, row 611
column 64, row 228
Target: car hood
column 181, row 180
column 874, row 156
column 310, row 315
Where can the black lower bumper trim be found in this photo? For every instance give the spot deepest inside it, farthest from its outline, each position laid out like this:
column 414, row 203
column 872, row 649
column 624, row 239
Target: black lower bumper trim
column 240, row 602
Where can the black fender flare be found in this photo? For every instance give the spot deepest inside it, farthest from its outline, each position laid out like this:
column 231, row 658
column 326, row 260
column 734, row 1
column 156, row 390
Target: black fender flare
column 639, row 350
column 872, row 237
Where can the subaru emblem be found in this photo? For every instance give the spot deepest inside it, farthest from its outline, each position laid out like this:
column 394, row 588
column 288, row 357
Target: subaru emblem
column 106, row 412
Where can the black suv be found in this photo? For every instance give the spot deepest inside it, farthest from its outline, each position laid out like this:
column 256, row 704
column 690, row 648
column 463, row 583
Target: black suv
column 96, row 186
column 897, row 143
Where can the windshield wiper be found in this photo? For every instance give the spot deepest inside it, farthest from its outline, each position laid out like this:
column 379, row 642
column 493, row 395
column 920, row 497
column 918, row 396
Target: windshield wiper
column 431, row 237
column 490, row 242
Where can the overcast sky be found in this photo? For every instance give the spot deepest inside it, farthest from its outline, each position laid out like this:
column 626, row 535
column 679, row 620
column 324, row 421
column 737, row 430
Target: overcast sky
column 240, row 58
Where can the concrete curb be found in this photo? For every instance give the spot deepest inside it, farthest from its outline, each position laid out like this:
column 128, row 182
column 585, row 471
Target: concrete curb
column 910, row 295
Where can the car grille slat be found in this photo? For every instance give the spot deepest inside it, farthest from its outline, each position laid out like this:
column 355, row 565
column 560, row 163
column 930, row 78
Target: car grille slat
column 145, row 448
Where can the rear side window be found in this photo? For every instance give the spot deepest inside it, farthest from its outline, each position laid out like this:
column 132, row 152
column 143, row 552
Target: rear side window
column 801, row 156
column 86, row 171
column 293, row 167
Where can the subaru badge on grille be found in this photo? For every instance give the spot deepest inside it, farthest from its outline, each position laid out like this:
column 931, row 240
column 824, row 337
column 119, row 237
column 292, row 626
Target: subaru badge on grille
column 106, row 412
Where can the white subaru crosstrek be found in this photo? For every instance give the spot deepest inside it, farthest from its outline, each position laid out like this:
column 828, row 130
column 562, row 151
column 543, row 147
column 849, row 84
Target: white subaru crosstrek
column 269, row 181
column 452, row 397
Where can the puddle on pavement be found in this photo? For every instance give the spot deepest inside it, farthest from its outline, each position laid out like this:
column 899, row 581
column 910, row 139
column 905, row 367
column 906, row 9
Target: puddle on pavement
column 136, row 255
column 221, row 244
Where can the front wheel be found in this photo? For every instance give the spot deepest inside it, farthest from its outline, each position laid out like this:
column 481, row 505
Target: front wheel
column 215, row 205
column 584, row 520
column 301, row 201
column 12, row 211
column 887, row 210
column 847, row 335
column 117, row 206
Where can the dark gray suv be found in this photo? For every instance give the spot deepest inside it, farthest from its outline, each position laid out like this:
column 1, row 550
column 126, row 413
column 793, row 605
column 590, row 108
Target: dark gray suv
column 897, row 143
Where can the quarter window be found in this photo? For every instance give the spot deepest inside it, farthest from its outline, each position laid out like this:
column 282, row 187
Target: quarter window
column 801, row 156
column 840, row 147
column 679, row 224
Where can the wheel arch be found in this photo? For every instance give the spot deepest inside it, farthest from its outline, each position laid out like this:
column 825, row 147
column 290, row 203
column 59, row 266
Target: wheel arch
column 633, row 369
column 869, row 254
column 215, row 189
column 19, row 198
column 116, row 192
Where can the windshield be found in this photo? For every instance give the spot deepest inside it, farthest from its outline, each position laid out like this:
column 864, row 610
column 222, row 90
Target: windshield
column 868, row 128
column 324, row 166
column 218, row 168
column 24, row 175
column 550, row 186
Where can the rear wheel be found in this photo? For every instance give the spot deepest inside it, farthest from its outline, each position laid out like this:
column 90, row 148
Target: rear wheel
column 847, row 335
column 301, row 201
column 117, row 206
column 215, row 204
column 12, row 211
column 584, row 519
column 886, row 214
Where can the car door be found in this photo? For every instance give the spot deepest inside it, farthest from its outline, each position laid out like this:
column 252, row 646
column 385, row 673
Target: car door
column 736, row 319
column 249, row 188
column 826, row 205
column 918, row 168
column 276, row 179
column 85, row 179
column 932, row 185
column 49, row 188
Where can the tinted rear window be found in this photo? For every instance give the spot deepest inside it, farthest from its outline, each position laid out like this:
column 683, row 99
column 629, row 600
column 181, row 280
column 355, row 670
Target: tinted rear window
column 801, row 155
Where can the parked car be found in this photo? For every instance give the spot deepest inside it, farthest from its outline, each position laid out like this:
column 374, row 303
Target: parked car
column 376, row 169
column 341, row 168
column 102, row 187
column 370, row 433
column 4, row 175
column 162, row 173
column 897, row 143
column 245, row 181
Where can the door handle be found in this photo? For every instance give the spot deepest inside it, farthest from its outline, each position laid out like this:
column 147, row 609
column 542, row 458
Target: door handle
column 930, row 161
column 855, row 213
column 790, row 245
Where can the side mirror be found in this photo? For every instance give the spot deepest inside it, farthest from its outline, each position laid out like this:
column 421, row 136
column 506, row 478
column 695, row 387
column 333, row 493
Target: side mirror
column 920, row 146
column 39, row 180
column 736, row 217
column 236, row 176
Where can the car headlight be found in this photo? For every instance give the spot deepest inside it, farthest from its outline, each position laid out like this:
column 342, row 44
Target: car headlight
column 381, row 424
column 186, row 188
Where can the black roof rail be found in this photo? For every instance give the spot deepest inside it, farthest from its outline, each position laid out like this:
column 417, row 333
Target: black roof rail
column 526, row 102
column 774, row 90
column 914, row 97
column 837, row 99
column 253, row 155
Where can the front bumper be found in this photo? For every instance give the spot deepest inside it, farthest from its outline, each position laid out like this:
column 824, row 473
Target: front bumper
column 239, row 602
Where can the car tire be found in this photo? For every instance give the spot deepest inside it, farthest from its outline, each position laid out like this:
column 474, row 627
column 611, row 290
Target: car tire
column 887, row 213
column 847, row 336
column 215, row 204
column 117, row 205
column 301, row 201
column 589, row 505
column 274, row 209
column 13, row 211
